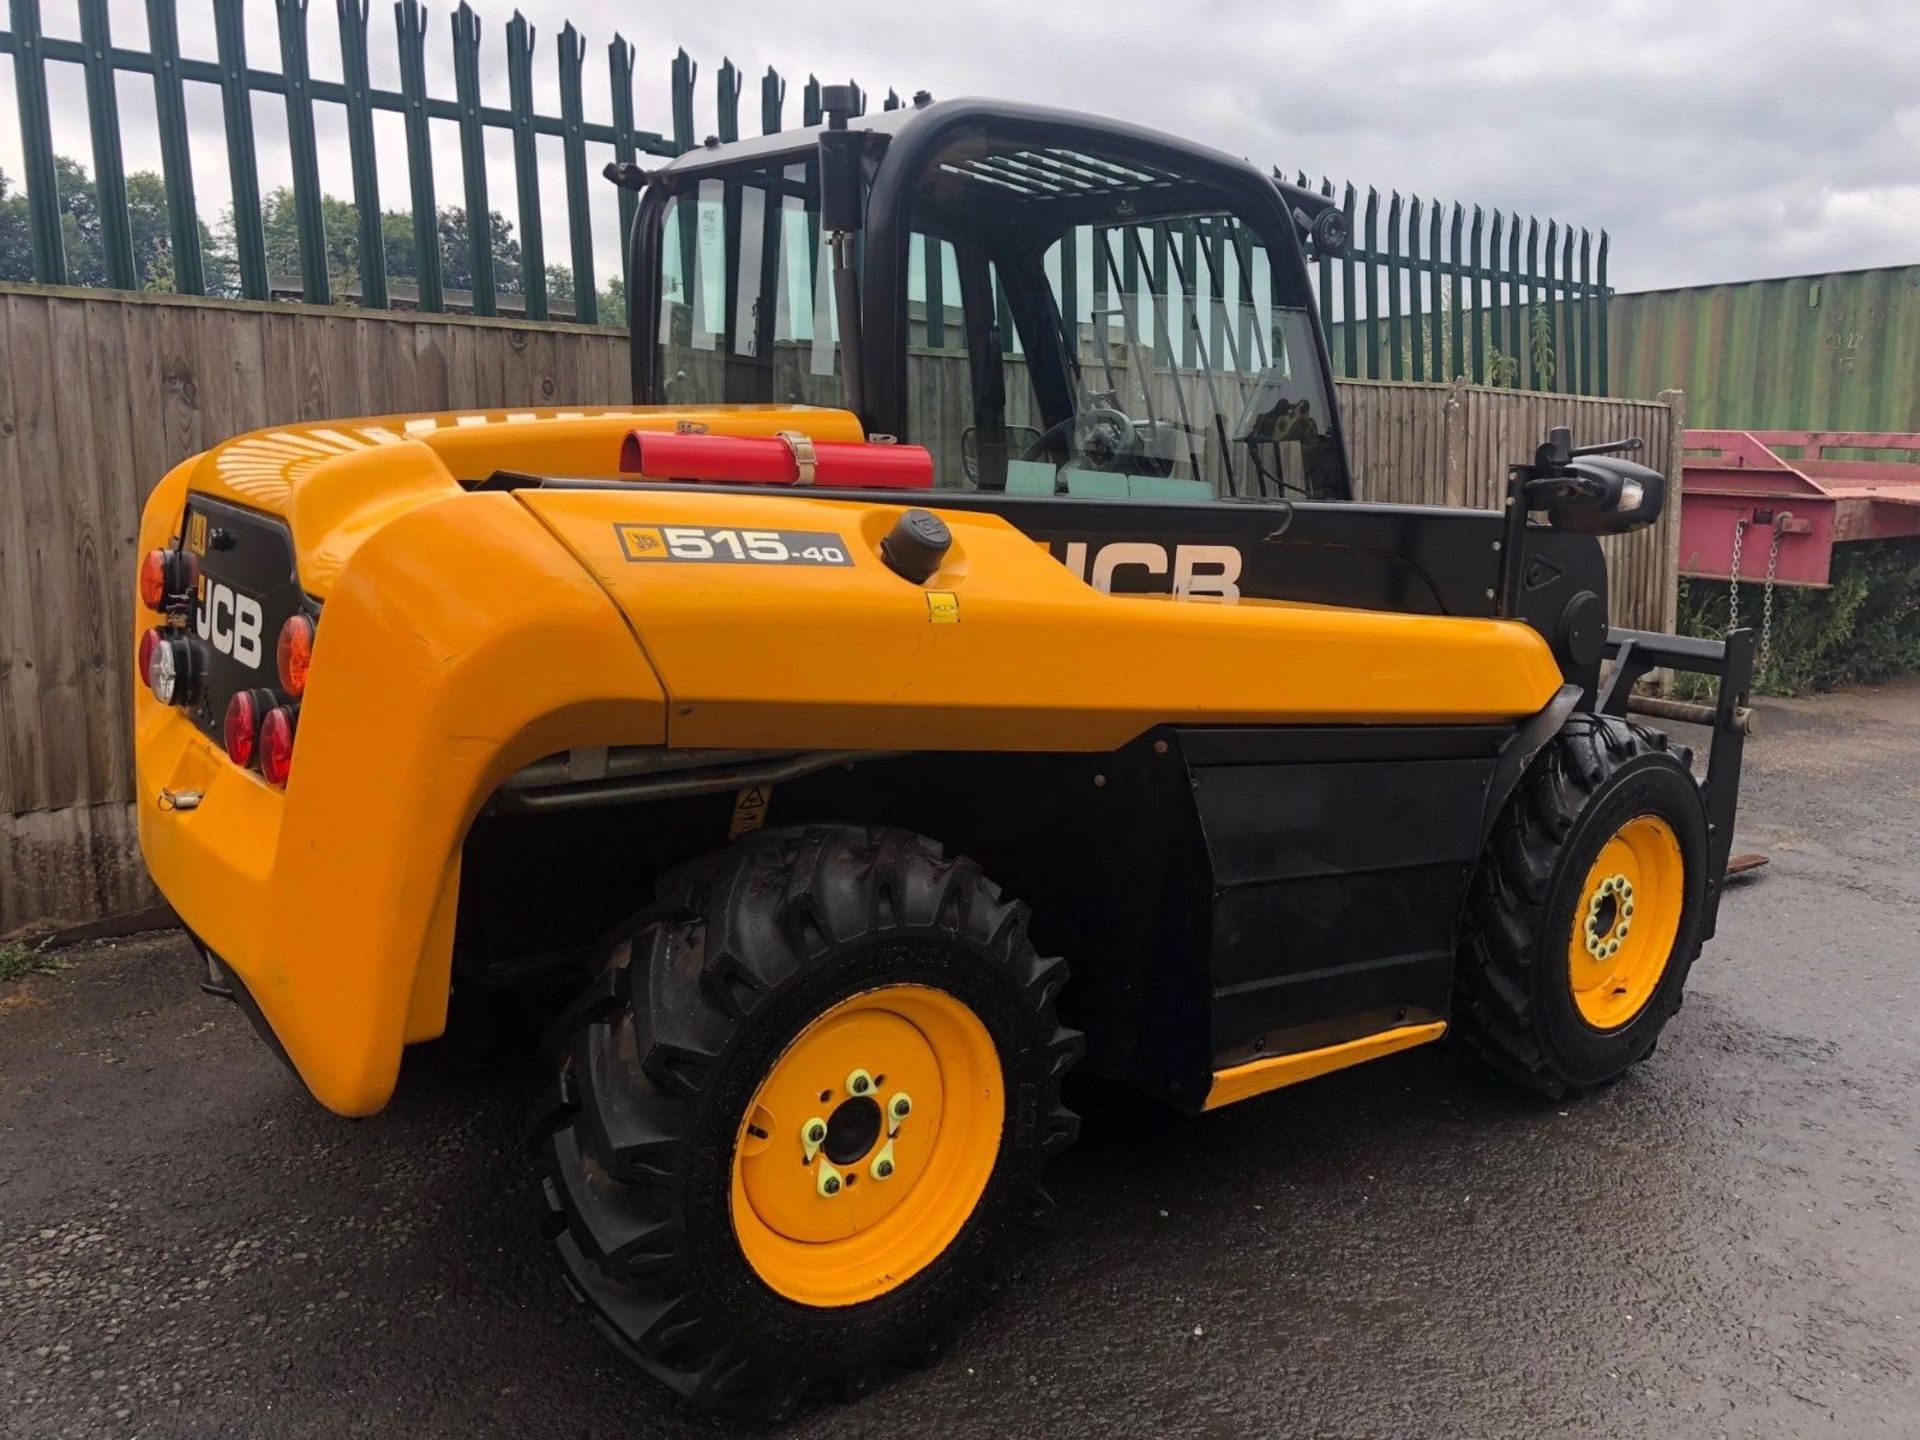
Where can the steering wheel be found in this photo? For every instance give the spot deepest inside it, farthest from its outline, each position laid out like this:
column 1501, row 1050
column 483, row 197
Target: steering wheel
column 1099, row 435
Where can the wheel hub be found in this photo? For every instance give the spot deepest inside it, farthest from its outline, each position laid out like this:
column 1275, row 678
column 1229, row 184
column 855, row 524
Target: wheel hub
column 1626, row 922
column 851, row 1130
column 1609, row 916
column 867, row 1144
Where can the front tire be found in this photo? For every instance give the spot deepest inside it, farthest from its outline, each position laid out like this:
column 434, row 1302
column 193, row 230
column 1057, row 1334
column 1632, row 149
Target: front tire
column 800, row 1110
column 1584, row 917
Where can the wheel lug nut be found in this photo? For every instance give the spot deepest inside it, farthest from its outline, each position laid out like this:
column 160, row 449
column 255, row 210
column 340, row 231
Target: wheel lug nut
column 817, row 1134
column 883, row 1169
column 902, row 1106
column 830, row 1185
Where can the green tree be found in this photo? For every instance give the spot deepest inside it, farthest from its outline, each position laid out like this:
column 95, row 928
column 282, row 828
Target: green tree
column 80, row 232
column 16, row 235
column 280, row 223
column 456, row 265
column 340, row 219
column 612, row 299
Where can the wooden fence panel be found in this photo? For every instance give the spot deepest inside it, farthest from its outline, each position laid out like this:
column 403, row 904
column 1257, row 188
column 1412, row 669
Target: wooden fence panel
column 102, row 392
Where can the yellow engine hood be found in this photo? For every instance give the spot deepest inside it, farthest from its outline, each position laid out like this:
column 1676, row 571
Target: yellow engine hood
column 1003, row 648
column 337, row 482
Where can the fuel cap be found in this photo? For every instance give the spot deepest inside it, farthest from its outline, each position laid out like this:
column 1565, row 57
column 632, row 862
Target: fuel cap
column 916, row 545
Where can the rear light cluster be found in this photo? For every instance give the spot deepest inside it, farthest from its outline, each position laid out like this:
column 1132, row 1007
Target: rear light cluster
column 259, row 725
column 168, row 577
column 258, row 728
column 167, row 662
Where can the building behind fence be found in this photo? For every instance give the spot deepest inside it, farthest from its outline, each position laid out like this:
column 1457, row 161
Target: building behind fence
column 1807, row 352
column 1428, row 292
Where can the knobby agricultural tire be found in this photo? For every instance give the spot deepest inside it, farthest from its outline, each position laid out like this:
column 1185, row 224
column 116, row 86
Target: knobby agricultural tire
column 659, row 1059
column 1513, row 1009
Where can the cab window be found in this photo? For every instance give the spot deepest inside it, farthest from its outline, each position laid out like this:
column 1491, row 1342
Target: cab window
column 1126, row 332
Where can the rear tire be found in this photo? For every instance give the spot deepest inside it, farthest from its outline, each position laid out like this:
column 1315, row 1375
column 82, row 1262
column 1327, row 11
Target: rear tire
column 666, row 1137
column 1584, row 917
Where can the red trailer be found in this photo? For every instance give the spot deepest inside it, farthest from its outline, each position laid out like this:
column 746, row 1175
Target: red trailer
column 1745, row 488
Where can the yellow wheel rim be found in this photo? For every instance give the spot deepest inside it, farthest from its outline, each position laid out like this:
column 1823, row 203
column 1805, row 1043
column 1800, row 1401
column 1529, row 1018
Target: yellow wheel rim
column 867, row 1146
column 1626, row 921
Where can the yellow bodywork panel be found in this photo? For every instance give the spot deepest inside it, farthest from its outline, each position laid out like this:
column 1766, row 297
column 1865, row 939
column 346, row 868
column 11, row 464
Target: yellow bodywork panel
column 338, row 483
column 470, row 644
column 1019, row 655
column 466, row 634
column 1257, row 1077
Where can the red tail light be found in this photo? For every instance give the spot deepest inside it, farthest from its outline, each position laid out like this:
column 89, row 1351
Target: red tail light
column 295, row 653
column 276, row 744
column 241, row 728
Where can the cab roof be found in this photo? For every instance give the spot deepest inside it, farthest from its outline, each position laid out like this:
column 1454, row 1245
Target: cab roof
column 883, row 127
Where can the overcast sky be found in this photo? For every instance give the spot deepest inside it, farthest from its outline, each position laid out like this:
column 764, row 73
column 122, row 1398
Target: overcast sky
column 1714, row 140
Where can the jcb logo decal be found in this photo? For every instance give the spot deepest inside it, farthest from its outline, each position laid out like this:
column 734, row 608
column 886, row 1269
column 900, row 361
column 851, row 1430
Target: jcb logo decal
column 230, row 622
column 1190, row 572
column 640, row 542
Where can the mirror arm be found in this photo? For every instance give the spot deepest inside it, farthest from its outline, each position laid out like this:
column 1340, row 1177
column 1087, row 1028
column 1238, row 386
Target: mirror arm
column 846, row 304
column 1513, row 541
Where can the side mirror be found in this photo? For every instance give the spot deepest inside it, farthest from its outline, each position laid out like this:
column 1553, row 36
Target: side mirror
column 1598, row 495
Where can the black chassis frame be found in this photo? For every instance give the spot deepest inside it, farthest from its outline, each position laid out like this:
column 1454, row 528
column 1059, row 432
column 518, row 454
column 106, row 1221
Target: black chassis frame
column 1215, row 911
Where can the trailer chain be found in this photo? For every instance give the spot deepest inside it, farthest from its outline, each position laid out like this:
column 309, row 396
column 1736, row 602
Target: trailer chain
column 1766, row 589
column 1766, row 602
column 1733, row 579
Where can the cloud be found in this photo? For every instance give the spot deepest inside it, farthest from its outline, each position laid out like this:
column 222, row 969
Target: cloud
column 1714, row 140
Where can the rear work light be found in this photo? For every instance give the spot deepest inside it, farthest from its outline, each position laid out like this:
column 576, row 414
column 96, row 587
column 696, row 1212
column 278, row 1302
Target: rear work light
column 276, row 743
column 789, row 458
column 166, row 575
column 294, row 653
column 171, row 668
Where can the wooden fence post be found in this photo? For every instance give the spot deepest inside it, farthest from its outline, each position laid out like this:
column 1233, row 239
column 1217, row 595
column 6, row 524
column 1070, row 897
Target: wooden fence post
column 1676, row 403
column 1456, row 443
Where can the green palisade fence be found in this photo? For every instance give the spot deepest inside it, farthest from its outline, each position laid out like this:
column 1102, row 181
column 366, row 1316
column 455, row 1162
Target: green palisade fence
column 1458, row 298
column 1427, row 292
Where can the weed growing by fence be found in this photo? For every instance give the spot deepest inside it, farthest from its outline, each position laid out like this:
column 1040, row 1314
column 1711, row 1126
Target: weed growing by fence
column 1865, row 627
column 18, row 960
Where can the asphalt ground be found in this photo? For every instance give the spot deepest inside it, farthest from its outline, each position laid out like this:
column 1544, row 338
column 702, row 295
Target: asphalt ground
column 1725, row 1243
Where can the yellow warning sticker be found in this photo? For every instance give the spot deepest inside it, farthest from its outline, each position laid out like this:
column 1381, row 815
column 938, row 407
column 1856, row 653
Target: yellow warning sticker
column 943, row 607
column 197, row 533
column 641, row 542
column 749, row 810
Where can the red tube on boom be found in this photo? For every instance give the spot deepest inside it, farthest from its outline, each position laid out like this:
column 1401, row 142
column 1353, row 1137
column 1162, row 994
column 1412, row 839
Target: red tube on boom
column 787, row 459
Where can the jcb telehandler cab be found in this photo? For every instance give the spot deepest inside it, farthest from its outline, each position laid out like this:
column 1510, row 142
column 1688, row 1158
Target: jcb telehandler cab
column 825, row 724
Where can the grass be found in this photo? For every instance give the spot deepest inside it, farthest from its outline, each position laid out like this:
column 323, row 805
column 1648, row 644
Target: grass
column 17, row 960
